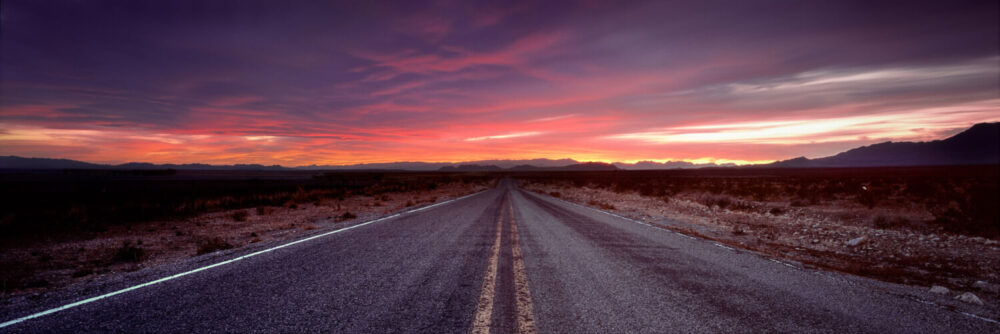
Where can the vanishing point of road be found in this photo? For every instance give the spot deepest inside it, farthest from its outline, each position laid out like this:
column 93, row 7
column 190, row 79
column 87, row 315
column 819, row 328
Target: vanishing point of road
column 499, row 261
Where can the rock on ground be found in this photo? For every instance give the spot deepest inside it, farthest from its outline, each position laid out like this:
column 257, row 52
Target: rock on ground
column 939, row 290
column 856, row 241
column 970, row 298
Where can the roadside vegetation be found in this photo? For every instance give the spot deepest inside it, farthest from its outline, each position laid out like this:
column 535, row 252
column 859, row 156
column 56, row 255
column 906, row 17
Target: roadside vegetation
column 918, row 225
column 61, row 226
column 953, row 199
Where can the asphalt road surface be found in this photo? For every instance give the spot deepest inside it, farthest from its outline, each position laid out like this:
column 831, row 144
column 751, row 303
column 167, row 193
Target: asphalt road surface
column 501, row 261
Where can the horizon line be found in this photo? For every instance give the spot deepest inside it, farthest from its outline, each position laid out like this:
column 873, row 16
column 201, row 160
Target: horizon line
column 708, row 162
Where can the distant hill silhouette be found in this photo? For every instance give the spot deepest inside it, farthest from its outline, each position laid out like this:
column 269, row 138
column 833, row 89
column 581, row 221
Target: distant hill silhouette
column 647, row 165
column 525, row 168
column 470, row 168
column 586, row 166
column 978, row 145
column 15, row 162
column 431, row 166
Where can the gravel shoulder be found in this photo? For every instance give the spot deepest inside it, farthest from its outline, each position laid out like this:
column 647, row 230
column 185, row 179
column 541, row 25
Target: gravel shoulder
column 53, row 264
column 819, row 237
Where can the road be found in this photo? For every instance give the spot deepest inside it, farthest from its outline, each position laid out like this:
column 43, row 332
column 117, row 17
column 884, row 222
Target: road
column 502, row 261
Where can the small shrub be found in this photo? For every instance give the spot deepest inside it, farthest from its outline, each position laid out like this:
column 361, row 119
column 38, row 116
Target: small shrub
column 212, row 244
column 742, row 206
column 127, row 253
column 555, row 194
column 241, row 215
column 83, row 272
column 38, row 283
column 410, row 203
column 776, row 211
column 602, row 205
column 264, row 210
column 884, row 222
column 347, row 215
column 867, row 199
column 900, row 222
column 881, row 221
column 715, row 200
column 300, row 195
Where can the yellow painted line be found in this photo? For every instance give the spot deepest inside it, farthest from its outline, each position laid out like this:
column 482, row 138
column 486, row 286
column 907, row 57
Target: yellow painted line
column 484, row 310
column 525, row 313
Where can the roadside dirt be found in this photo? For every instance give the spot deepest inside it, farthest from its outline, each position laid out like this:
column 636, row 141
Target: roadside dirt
column 838, row 236
column 52, row 264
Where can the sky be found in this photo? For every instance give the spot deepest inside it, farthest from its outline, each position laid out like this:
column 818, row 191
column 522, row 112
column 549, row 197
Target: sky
column 333, row 83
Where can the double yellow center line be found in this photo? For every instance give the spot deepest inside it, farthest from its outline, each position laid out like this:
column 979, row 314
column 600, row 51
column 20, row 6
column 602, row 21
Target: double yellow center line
column 484, row 310
column 525, row 315
column 482, row 320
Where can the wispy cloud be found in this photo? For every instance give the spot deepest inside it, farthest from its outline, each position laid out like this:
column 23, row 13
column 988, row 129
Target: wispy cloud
column 912, row 124
column 505, row 136
column 861, row 80
column 550, row 119
column 339, row 82
column 911, row 85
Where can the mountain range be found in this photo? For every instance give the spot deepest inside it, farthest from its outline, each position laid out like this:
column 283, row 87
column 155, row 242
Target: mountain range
column 977, row 145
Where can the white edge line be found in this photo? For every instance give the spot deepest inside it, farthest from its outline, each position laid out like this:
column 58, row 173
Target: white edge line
column 724, row 246
column 978, row 317
column 720, row 245
column 189, row 272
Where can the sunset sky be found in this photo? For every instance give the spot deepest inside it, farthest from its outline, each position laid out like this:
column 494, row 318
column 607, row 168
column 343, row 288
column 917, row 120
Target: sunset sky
column 299, row 83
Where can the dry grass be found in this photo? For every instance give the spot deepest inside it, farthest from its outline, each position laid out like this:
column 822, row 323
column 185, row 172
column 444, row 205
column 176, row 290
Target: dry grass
column 36, row 260
column 213, row 244
column 264, row 210
column 920, row 226
column 956, row 199
column 128, row 253
column 41, row 205
column 600, row 204
column 346, row 216
column 240, row 215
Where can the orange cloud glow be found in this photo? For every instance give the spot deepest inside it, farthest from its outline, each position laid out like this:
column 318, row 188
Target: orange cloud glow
column 334, row 83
